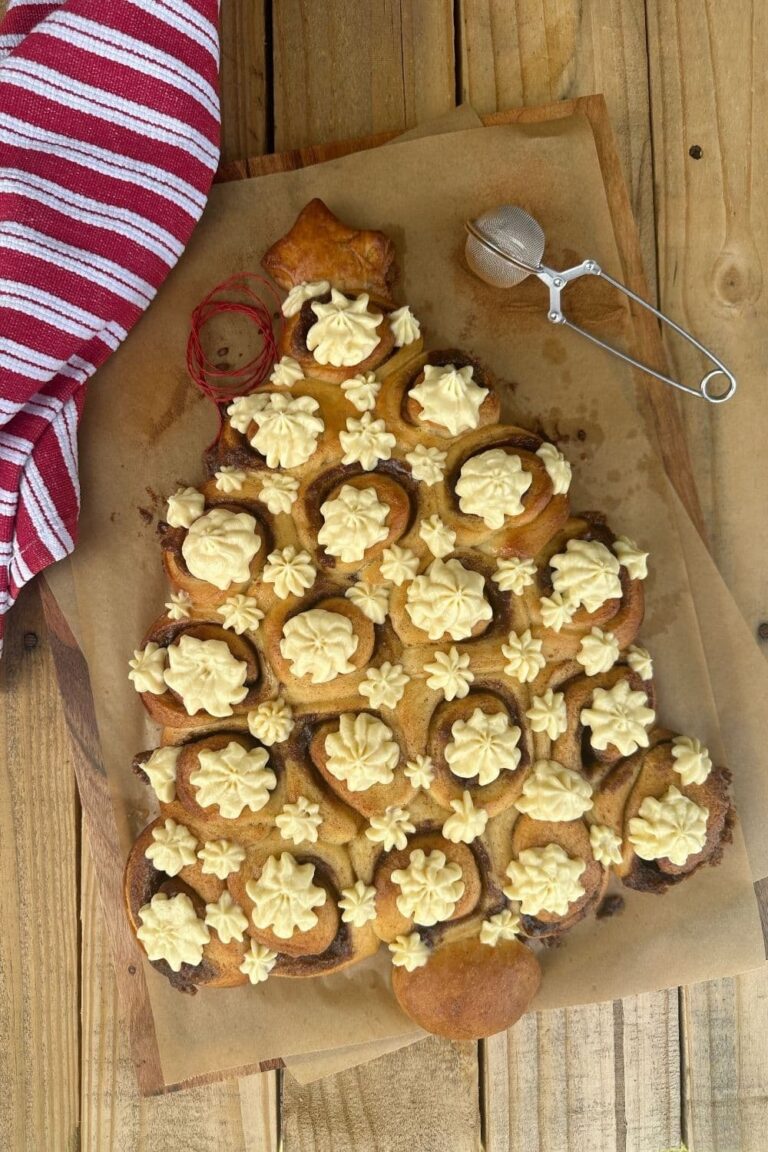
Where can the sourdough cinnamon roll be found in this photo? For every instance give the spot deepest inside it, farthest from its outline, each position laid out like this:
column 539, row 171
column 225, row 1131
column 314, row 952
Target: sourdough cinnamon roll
column 404, row 706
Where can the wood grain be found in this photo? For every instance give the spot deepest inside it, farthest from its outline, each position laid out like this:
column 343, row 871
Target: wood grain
column 535, row 51
column 39, row 1012
column 420, row 1099
column 710, row 91
column 344, row 69
column 600, row 1076
column 115, row 1116
column 244, row 124
column 726, row 1057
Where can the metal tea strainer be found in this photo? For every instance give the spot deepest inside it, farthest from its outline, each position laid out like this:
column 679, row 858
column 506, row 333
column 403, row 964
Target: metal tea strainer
column 507, row 244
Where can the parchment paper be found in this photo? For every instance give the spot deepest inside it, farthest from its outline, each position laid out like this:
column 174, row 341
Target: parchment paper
column 142, row 434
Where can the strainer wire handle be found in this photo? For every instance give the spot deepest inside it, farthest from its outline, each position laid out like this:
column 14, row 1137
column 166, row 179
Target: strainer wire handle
column 703, row 391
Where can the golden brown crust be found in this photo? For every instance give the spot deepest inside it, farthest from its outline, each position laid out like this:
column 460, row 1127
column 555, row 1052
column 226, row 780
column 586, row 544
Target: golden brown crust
column 320, row 247
column 390, row 922
column 468, row 990
column 573, row 837
column 220, row 965
column 168, row 708
column 650, row 772
column 293, row 342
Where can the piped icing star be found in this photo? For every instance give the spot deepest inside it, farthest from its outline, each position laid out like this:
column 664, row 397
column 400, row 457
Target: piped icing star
column 523, row 655
column 545, row 879
column 437, row 536
column 318, row 644
column 371, row 599
column 284, row 896
column 358, row 904
column 172, row 848
column 178, row 606
column 171, row 931
column 586, row 574
column 366, row 441
column 147, row 669
column 353, row 521
column 449, row 673
column 362, row 390
column 230, row 479
column 271, row 722
column 639, row 660
column 467, row 821
column 278, row 491
column 672, row 828
column 361, row 752
column 286, row 373
column 691, row 760
column 558, row 468
column 221, row 858
column 258, row 962
column 226, row 918
column 548, row 714
column 503, row 926
column 240, row 613
column 409, row 952
column 160, row 770
column 491, row 485
column 447, row 599
column 620, row 717
column 289, row 571
column 404, row 326
column 631, row 557
column 514, row 575
column 449, row 397
column 421, row 772
column 605, row 844
column 299, row 822
column 184, row 507
column 398, row 564
column 598, row 652
column 483, row 746
column 392, row 829
column 233, row 778
column 299, row 294
column 556, row 611
column 427, row 464
column 430, row 888
column 344, row 333
column 384, row 686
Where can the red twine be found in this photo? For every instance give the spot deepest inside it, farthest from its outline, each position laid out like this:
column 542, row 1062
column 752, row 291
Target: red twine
column 220, row 383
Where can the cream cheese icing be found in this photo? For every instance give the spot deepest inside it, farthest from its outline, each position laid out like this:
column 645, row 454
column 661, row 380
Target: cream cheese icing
column 491, row 485
column 361, row 752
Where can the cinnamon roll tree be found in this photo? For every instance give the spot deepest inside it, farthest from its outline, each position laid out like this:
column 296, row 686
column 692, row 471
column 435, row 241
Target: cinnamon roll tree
column 401, row 699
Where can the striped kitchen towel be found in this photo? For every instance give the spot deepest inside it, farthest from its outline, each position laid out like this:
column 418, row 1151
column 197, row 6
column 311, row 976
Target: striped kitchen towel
column 109, row 139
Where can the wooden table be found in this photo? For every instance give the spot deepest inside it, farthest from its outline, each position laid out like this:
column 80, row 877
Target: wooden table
column 685, row 82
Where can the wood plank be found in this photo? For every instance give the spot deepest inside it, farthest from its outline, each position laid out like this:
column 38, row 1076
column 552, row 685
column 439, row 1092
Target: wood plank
column 535, row 51
column 726, row 1051
column 709, row 91
column 344, row 69
column 420, row 1099
column 599, row 1076
column 115, row 1116
column 244, row 126
column 39, row 1013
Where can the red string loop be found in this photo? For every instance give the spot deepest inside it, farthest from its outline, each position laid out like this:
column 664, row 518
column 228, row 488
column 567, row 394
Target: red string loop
column 238, row 294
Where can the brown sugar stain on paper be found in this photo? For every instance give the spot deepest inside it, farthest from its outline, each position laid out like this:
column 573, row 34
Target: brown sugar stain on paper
column 428, row 189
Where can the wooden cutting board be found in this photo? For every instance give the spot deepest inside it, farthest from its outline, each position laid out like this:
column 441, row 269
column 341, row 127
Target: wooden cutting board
column 71, row 668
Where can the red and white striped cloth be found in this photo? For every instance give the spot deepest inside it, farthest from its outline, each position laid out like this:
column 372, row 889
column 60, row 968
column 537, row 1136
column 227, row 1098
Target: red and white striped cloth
column 109, row 138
